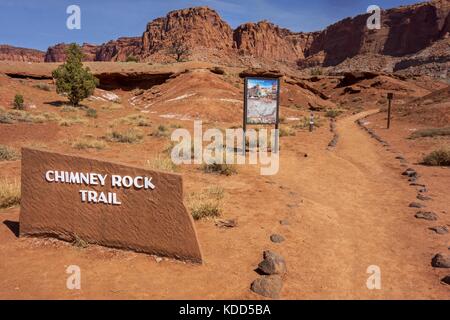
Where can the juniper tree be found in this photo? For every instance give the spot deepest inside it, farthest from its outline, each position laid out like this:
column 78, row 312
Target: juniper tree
column 73, row 79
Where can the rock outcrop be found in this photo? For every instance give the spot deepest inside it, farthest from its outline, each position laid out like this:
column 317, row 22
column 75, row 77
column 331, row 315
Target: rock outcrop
column 268, row 41
column 199, row 27
column 20, row 54
column 120, row 49
column 405, row 30
column 411, row 37
column 58, row 53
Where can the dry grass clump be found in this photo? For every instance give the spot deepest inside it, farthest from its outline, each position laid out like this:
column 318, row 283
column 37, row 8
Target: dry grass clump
column 430, row 133
column 8, row 154
column 137, row 120
column 128, row 136
column 304, row 123
column 161, row 163
column 88, row 143
column 286, row 131
column 13, row 116
column 333, row 113
column 219, row 168
column 42, row 86
column 161, row 132
column 439, row 157
column 207, row 203
column 9, row 193
column 70, row 121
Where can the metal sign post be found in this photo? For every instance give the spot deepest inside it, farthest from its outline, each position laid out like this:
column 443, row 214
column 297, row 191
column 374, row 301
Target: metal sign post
column 390, row 97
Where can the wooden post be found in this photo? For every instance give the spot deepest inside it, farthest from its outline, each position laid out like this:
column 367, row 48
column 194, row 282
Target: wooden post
column 244, row 125
column 390, row 96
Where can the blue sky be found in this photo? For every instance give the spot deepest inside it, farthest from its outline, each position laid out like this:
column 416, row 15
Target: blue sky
column 41, row 23
column 261, row 82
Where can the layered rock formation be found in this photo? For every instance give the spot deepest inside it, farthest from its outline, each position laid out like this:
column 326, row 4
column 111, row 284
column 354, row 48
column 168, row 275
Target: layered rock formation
column 20, row 54
column 406, row 31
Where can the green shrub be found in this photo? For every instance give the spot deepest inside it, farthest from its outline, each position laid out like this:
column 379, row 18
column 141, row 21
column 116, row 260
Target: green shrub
column 91, row 113
column 333, row 113
column 73, row 79
column 161, row 132
column 439, row 157
column 18, row 102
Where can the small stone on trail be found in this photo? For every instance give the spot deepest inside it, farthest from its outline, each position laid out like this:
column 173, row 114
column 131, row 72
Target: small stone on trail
column 276, row 238
column 268, row 286
column 430, row 216
column 423, row 197
column 272, row 264
column 410, row 173
column 416, row 205
column 232, row 223
column 440, row 230
column 285, row 222
column 446, row 280
column 441, row 261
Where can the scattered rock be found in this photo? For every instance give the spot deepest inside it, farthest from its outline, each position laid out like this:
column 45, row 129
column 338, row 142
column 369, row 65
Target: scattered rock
column 285, row 222
column 410, row 173
column 423, row 197
column 441, row 261
column 430, row 216
column 446, row 280
column 217, row 70
column 268, row 286
column 423, row 190
column 416, row 205
column 400, row 157
column 158, row 259
column 440, row 230
column 276, row 238
column 272, row 264
column 232, row 223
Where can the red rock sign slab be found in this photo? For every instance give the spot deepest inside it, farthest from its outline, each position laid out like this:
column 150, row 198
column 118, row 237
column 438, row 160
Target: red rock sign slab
column 104, row 203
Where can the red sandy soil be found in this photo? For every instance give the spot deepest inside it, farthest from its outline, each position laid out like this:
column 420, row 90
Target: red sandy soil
column 347, row 207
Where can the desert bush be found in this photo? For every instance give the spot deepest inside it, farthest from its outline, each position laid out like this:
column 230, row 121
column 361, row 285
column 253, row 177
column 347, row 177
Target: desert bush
column 333, row 113
column 207, row 203
column 304, row 123
column 9, row 193
column 286, row 131
column 6, row 118
column 161, row 132
column 91, row 113
column 8, row 154
column 132, row 58
column 70, row 121
column 219, row 168
column 42, row 86
column 18, row 102
column 316, row 72
column 73, row 79
column 79, row 242
column 431, row 132
column 128, row 136
column 439, row 157
column 88, row 143
column 137, row 120
column 161, row 163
